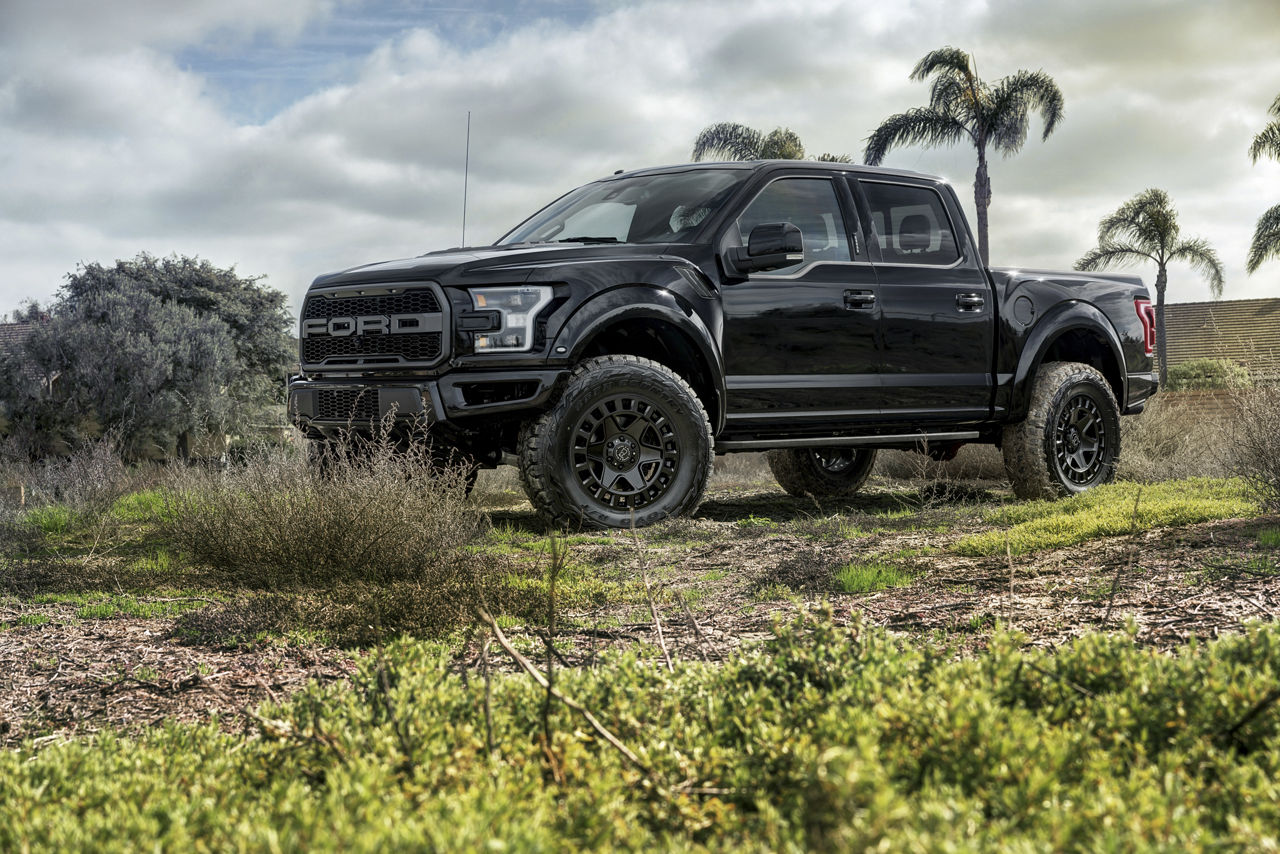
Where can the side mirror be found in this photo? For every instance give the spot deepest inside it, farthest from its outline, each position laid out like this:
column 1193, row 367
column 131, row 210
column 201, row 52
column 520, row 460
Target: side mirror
column 770, row 246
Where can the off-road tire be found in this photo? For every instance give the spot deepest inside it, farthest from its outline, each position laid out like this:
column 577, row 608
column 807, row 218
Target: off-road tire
column 822, row 472
column 627, row 442
column 1070, row 440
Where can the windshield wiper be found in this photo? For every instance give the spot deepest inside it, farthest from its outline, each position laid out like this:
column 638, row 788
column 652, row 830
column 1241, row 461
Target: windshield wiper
column 588, row 240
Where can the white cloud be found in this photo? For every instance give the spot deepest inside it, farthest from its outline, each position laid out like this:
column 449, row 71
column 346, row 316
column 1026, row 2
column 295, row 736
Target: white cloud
column 110, row 146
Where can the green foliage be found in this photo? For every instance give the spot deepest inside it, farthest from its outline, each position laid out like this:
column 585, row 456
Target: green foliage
column 869, row 577
column 1200, row 374
column 52, row 520
column 152, row 350
column 826, row 738
column 1110, row 510
column 733, row 141
column 1269, row 538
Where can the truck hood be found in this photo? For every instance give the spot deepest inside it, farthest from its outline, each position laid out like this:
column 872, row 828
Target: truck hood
column 471, row 265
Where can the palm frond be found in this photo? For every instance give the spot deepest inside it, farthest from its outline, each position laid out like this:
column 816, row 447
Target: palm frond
column 1266, row 238
column 952, row 96
column 1148, row 219
column 919, row 126
column 1267, row 143
column 949, row 61
column 1202, row 258
column 1107, row 255
column 727, row 141
column 781, row 144
column 834, row 158
column 1012, row 100
column 1275, row 107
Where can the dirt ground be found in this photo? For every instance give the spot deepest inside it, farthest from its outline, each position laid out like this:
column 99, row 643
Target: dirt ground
column 719, row 584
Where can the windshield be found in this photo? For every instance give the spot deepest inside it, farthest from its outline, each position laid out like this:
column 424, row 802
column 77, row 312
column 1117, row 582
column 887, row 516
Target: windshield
column 665, row 208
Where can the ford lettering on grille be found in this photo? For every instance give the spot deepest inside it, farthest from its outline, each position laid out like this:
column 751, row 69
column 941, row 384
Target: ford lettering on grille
column 375, row 324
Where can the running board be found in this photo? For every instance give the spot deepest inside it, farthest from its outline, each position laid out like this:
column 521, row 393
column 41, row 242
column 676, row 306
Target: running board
column 843, row 441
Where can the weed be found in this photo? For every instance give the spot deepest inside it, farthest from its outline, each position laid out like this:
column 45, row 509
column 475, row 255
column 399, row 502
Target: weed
column 1107, row 511
column 869, row 577
column 1269, row 538
column 774, row 592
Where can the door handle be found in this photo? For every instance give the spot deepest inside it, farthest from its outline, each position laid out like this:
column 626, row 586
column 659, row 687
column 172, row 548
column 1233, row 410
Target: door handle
column 970, row 302
column 859, row 300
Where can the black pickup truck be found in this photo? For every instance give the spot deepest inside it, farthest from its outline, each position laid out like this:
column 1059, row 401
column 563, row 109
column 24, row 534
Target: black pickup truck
column 616, row 340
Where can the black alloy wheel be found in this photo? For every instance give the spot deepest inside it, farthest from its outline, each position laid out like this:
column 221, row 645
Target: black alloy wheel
column 626, row 443
column 822, row 472
column 1080, row 440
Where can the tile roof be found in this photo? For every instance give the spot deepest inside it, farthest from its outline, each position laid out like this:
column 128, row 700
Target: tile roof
column 1244, row 330
column 12, row 336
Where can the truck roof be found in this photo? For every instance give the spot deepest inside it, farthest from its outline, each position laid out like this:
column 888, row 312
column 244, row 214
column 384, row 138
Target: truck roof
column 756, row 165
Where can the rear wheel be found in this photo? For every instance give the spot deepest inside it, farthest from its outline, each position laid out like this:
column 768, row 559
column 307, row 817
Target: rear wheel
column 628, row 442
column 822, row 472
column 1070, row 440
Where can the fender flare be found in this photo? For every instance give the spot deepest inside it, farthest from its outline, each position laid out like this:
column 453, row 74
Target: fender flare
column 1064, row 318
column 644, row 302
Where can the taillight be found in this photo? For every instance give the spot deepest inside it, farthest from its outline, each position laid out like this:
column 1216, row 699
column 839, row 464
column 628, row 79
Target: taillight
column 1147, row 314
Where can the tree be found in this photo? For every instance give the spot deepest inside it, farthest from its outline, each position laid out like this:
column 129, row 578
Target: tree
column 1145, row 228
column 732, row 141
column 963, row 106
column 1266, row 236
column 152, row 349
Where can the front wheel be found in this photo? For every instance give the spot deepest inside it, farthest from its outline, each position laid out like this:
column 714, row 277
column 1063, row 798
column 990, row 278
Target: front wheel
column 627, row 443
column 822, row 472
column 1070, row 440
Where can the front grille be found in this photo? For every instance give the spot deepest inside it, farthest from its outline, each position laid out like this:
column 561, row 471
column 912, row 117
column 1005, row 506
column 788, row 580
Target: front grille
column 421, row 347
column 410, row 302
column 425, row 348
column 347, row 404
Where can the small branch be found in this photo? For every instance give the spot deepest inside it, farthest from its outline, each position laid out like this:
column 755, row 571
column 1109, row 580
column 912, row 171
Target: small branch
column 1259, row 708
column 591, row 719
column 648, row 595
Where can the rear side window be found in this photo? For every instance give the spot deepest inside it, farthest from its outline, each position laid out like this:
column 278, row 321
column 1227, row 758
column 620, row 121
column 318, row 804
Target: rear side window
column 910, row 224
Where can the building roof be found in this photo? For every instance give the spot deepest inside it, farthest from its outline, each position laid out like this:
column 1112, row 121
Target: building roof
column 1243, row 330
column 12, row 337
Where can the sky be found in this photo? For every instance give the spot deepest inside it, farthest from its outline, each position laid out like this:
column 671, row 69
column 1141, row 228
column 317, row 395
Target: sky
column 289, row 138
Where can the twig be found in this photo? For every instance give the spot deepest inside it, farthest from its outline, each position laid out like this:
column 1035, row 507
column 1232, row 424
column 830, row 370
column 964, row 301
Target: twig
column 1008, row 553
column 488, row 694
column 1259, row 708
column 591, row 719
column 697, row 629
column 1133, row 558
column 648, row 595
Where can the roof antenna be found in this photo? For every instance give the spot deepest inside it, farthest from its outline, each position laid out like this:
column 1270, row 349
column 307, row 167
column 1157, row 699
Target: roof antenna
column 466, row 172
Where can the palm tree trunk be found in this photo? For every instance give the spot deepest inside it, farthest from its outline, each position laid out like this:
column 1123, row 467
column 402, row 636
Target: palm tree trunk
column 1162, row 279
column 981, row 201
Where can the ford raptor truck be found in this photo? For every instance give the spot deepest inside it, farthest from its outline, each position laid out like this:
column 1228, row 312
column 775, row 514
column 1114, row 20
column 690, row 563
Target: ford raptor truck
column 615, row 341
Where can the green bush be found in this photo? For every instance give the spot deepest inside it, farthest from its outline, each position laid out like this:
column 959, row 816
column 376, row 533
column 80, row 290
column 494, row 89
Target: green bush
column 826, row 738
column 1205, row 374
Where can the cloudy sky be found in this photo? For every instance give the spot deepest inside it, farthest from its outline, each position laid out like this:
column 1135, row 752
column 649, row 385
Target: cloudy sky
column 294, row 137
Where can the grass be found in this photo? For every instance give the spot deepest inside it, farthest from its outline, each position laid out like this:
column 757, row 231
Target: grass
column 1111, row 510
column 1269, row 538
column 869, row 577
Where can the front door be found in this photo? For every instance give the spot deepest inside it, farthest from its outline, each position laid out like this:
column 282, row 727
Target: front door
column 800, row 343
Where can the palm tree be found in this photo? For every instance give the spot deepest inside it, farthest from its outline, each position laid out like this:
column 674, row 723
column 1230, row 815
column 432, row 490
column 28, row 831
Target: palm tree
column 1145, row 228
column 732, row 141
column 1266, row 237
column 963, row 106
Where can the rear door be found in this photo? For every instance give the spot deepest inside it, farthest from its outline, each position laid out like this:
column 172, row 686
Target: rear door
column 800, row 343
column 936, row 313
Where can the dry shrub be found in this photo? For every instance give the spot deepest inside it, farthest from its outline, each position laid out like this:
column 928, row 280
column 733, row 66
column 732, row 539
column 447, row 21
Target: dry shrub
column 973, row 462
column 1172, row 439
column 1255, row 437
column 379, row 531
column 87, row 481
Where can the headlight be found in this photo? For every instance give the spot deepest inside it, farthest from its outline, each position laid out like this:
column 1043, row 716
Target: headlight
column 517, row 307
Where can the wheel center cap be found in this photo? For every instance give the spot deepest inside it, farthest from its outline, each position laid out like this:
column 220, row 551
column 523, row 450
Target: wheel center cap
column 622, row 452
column 1073, row 439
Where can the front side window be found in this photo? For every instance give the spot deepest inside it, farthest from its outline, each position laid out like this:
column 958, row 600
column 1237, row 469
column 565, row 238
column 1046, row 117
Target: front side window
column 911, row 224
column 809, row 204
column 662, row 208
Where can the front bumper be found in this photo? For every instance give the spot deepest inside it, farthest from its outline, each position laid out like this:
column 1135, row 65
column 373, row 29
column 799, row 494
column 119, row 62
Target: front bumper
column 326, row 406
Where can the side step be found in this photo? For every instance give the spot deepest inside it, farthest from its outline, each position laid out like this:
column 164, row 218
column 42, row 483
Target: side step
column 843, row 441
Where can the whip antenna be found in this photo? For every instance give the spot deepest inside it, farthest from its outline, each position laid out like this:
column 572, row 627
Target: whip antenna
column 466, row 173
